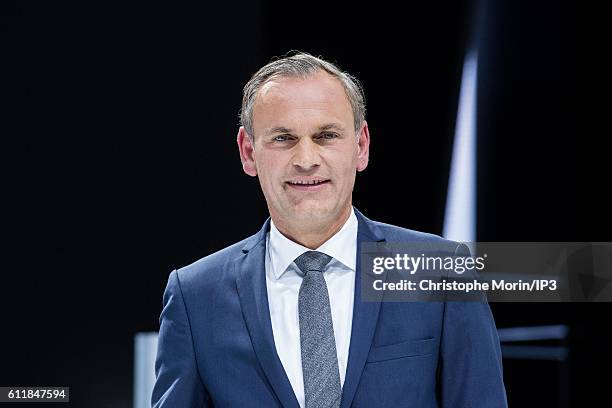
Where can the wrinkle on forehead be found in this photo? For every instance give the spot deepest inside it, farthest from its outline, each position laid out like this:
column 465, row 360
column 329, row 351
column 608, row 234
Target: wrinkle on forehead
column 319, row 93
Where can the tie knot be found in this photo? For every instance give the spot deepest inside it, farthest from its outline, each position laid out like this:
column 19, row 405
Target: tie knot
column 312, row 261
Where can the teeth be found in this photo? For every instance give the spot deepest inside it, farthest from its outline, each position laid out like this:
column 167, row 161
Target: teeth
column 306, row 182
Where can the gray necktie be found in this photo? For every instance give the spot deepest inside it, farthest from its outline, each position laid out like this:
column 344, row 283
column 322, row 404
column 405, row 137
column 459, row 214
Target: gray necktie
column 319, row 359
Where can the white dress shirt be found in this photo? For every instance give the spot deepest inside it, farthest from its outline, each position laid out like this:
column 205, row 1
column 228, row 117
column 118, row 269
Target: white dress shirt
column 283, row 286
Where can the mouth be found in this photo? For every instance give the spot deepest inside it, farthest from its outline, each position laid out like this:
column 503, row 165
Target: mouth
column 308, row 184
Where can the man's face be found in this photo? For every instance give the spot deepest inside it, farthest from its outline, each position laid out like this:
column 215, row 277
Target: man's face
column 305, row 149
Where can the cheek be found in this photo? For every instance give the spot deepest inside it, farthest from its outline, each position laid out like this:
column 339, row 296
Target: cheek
column 269, row 168
column 345, row 165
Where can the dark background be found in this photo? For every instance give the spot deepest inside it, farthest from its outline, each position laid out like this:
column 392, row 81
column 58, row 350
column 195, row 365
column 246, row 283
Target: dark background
column 123, row 165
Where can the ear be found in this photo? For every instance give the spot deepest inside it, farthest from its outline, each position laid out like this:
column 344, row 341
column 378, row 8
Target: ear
column 363, row 147
column 247, row 154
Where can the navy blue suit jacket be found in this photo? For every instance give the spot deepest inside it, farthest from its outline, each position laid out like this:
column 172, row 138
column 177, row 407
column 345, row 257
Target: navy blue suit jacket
column 216, row 346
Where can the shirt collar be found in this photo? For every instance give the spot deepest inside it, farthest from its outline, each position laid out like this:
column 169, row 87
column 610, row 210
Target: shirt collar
column 342, row 246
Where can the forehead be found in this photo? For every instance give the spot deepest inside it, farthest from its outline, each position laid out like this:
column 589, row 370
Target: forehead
column 317, row 97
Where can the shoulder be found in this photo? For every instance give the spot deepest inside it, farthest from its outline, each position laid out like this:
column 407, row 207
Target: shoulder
column 397, row 234
column 211, row 269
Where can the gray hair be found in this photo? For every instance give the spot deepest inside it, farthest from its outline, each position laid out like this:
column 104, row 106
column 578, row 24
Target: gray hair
column 300, row 64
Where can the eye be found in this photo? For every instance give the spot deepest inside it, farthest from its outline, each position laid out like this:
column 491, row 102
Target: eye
column 280, row 138
column 328, row 135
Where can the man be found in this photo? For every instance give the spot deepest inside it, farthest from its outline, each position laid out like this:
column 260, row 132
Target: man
column 277, row 320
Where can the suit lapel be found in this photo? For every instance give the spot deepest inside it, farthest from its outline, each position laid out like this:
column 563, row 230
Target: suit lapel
column 365, row 317
column 251, row 285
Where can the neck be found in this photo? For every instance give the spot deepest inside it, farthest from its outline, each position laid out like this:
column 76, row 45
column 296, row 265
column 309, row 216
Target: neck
column 312, row 236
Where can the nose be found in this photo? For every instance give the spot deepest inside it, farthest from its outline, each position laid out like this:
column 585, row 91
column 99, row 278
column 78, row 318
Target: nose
column 306, row 155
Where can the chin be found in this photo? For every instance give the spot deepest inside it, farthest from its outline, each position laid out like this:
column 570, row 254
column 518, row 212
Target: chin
column 315, row 212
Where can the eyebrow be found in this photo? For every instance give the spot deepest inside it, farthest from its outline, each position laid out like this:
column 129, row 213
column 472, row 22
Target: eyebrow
column 332, row 126
column 278, row 129
column 328, row 126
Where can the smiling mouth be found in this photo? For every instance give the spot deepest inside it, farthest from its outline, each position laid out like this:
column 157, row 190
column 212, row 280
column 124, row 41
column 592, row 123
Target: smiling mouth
column 308, row 184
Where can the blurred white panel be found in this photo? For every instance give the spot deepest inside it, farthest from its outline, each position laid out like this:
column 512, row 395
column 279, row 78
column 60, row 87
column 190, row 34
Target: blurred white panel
column 460, row 214
column 145, row 350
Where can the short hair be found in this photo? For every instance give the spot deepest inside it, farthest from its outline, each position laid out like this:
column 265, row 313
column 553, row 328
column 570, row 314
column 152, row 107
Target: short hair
column 300, row 64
